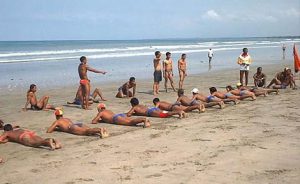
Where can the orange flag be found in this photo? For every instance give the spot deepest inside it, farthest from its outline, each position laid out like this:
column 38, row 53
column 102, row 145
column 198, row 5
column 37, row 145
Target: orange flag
column 296, row 59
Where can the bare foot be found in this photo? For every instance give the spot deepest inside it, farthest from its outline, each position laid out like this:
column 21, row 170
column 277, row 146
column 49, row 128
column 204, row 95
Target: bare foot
column 236, row 101
column 147, row 124
column 103, row 133
column 201, row 108
column 266, row 94
column 1, row 160
column 222, row 105
column 52, row 144
column 57, row 144
column 253, row 97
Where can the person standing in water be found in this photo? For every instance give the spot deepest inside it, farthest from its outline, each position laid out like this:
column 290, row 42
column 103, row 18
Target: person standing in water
column 210, row 55
column 283, row 51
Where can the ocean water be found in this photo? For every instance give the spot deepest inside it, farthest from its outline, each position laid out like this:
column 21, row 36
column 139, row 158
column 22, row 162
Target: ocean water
column 54, row 63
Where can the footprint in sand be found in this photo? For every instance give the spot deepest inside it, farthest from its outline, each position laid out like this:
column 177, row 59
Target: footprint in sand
column 35, row 170
column 154, row 175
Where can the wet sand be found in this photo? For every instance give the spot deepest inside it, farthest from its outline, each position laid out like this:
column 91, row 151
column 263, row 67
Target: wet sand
column 252, row 142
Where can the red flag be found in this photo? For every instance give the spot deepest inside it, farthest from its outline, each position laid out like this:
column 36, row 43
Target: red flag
column 296, row 59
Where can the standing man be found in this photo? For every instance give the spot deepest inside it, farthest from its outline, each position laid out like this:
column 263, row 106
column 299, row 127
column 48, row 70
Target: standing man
column 283, row 51
column 168, row 71
column 244, row 60
column 182, row 70
column 84, row 81
column 157, row 72
column 210, row 55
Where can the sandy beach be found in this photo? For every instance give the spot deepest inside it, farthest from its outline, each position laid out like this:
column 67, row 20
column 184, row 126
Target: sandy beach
column 252, row 142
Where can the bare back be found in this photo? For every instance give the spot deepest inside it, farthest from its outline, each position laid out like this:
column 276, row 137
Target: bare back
column 13, row 136
column 63, row 124
column 184, row 100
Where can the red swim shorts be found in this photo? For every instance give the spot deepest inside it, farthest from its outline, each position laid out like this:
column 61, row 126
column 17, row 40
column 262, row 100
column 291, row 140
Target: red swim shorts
column 163, row 115
column 84, row 81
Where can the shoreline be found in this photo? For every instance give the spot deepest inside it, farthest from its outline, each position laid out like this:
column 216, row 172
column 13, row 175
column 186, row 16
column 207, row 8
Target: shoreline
column 252, row 142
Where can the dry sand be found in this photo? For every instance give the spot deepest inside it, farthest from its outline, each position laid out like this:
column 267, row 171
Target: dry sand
column 252, row 142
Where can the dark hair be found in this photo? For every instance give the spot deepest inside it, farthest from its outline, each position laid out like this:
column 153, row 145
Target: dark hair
column 7, row 127
column 157, row 53
column 131, row 79
column 180, row 92
column 245, row 49
column 212, row 89
column 229, row 87
column 168, row 53
column 259, row 68
column 82, row 58
column 183, row 54
column 31, row 87
column 155, row 100
column 1, row 123
column 134, row 101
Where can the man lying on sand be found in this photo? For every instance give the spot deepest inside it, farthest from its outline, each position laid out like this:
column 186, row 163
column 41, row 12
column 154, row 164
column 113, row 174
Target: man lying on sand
column 124, row 91
column 141, row 110
column 85, row 82
column 27, row 138
column 92, row 98
column 226, row 97
column 241, row 92
column 258, row 91
column 208, row 101
column 108, row 116
column 2, row 125
column 42, row 104
column 186, row 101
column 166, row 106
column 283, row 79
column 66, row 125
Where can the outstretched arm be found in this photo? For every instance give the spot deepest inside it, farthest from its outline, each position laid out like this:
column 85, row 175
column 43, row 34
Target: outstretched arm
column 3, row 139
column 52, row 127
column 131, row 112
column 97, row 118
column 95, row 71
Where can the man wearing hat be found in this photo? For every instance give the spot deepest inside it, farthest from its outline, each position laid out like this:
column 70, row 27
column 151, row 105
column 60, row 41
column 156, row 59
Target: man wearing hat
column 66, row 125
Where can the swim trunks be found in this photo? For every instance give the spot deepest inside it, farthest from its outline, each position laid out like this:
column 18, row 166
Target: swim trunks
column 227, row 95
column 194, row 102
column 163, row 115
column 210, row 98
column 157, row 75
column 243, row 92
column 244, row 67
column 151, row 110
column 28, row 134
column 84, row 81
column 115, row 117
column 35, row 108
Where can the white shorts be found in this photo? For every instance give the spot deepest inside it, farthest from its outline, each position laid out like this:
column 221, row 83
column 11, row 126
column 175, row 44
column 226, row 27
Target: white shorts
column 244, row 67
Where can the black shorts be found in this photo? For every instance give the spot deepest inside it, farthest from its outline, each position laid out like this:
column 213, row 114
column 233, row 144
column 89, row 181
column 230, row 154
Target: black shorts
column 157, row 76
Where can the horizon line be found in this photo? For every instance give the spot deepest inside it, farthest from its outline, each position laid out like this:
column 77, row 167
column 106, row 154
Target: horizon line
column 181, row 38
